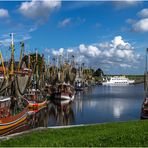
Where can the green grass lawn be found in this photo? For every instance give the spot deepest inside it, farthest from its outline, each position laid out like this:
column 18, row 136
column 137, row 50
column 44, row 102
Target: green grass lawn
column 133, row 133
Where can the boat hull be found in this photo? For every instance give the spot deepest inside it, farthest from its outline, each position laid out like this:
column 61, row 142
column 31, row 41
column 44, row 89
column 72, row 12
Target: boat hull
column 13, row 121
column 36, row 105
column 115, row 84
column 144, row 113
column 64, row 96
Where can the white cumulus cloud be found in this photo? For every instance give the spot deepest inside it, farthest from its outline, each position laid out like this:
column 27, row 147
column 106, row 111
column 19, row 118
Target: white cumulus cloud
column 118, row 41
column 90, row 51
column 117, row 52
column 4, row 13
column 39, row 9
column 143, row 13
column 58, row 52
column 141, row 25
column 114, row 54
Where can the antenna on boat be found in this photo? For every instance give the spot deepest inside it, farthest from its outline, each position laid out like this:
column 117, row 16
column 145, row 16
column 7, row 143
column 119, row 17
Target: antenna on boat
column 12, row 39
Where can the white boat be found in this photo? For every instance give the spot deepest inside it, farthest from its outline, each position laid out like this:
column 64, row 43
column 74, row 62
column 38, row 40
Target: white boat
column 65, row 92
column 118, row 80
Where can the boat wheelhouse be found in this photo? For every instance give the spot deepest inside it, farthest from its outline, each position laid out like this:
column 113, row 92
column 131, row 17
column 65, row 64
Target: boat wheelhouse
column 5, row 103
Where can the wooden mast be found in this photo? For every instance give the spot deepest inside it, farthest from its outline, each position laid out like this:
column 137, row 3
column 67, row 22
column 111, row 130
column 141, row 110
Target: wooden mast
column 37, row 74
column 12, row 55
column 3, row 66
column 21, row 54
column 29, row 61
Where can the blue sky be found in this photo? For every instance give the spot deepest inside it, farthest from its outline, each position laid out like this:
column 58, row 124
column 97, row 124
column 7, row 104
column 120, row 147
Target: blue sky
column 111, row 35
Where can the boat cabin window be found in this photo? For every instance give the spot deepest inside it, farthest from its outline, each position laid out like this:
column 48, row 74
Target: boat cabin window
column 5, row 104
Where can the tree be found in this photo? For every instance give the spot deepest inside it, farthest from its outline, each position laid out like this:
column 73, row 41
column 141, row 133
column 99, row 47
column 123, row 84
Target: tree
column 99, row 72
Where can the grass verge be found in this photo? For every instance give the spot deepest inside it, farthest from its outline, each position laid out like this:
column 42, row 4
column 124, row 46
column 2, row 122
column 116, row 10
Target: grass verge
column 132, row 133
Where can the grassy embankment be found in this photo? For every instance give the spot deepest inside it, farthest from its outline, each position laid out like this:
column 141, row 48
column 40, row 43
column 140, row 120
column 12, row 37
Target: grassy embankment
column 133, row 133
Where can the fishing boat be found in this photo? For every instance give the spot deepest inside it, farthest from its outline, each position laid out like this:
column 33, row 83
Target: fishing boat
column 48, row 90
column 13, row 110
column 7, row 120
column 144, row 109
column 35, row 99
column 19, row 128
column 79, row 86
column 64, row 92
column 12, row 121
column 118, row 80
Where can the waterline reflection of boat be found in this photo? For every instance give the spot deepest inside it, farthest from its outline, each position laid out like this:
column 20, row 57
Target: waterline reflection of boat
column 61, row 102
column 61, row 113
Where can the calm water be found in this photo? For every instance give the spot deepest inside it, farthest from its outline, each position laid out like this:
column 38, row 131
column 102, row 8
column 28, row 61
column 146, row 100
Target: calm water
column 99, row 104
column 96, row 105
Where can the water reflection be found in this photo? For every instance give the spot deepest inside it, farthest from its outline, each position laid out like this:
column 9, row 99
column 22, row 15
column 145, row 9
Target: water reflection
column 118, row 109
column 95, row 105
column 108, row 104
column 61, row 113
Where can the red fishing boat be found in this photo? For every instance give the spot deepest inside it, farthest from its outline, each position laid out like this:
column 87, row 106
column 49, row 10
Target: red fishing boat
column 8, row 121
